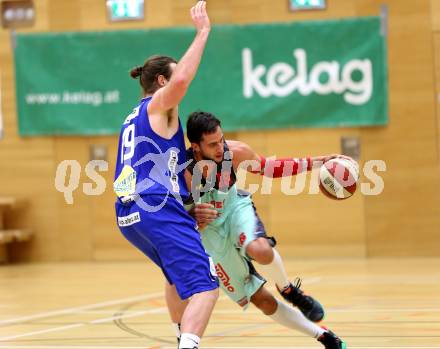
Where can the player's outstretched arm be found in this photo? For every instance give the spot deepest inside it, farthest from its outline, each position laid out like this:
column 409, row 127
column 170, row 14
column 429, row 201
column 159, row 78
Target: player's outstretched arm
column 284, row 167
column 171, row 94
column 245, row 157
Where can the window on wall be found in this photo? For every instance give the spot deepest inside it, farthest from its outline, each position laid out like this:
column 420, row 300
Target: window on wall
column 298, row 5
column 125, row 10
column 17, row 14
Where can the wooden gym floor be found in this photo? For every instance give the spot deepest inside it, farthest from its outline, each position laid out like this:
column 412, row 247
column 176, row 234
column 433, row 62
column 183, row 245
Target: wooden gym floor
column 372, row 304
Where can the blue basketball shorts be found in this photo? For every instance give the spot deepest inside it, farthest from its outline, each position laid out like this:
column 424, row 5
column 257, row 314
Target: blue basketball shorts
column 169, row 238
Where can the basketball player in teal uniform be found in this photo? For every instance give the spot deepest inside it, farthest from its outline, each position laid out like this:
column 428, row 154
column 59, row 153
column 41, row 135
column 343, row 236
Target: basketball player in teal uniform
column 234, row 235
column 150, row 183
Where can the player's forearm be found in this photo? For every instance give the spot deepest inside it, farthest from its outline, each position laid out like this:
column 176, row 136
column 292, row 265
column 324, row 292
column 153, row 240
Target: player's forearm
column 283, row 167
column 276, row 168
column 246, row 158
column 187, row 67
column 318, row 160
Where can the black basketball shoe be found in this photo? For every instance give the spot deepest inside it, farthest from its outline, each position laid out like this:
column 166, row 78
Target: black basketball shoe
column 309, row 306
column 331, row 341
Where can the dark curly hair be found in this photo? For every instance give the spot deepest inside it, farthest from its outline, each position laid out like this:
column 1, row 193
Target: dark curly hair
column 201, row 122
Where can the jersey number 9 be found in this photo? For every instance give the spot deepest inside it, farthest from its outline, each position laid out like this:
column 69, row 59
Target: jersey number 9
column 127, row 143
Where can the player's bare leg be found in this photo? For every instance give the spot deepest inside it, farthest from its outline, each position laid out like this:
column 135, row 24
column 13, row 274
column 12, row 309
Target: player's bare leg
column 261, row 252
column 176, row 307
column 195, row 318
column 272, row 265
column 189, row 317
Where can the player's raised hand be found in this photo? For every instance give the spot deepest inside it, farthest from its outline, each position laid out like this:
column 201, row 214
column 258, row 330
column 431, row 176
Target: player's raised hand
column 200, row 17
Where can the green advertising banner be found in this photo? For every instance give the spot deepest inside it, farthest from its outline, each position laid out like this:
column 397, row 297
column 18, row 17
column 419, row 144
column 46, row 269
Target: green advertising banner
column 308, row 74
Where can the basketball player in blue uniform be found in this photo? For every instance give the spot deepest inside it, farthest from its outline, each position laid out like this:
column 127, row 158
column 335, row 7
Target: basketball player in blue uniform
column 150, row 185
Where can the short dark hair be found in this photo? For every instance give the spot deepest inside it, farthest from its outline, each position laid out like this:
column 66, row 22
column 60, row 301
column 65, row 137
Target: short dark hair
column 201, row 122
column 152, row 68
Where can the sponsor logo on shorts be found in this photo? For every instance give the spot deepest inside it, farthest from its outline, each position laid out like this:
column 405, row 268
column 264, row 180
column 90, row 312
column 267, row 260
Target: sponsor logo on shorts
column 242, row 302
column 217, row 204
column 224, row 277
column 212, row 269
column 129, row 220
column 242, row 239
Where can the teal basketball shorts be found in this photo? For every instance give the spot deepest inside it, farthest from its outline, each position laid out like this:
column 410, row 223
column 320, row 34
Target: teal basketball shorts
column 226, row 243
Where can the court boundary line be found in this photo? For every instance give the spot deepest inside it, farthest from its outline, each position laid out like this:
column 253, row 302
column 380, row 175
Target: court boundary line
column 81, row 324
column 73, row 310
column 123, row 316
column 232, row 347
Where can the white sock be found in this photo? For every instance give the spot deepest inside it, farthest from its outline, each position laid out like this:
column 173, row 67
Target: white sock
column 292, row 318
column 189, row 341
column 176, row 328
column 275, row 270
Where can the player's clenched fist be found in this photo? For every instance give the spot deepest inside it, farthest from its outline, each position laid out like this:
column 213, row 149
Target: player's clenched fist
column 200, row 17
column 204, row 214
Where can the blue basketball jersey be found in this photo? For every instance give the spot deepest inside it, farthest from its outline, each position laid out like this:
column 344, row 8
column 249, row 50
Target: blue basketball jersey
column 147, row 163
